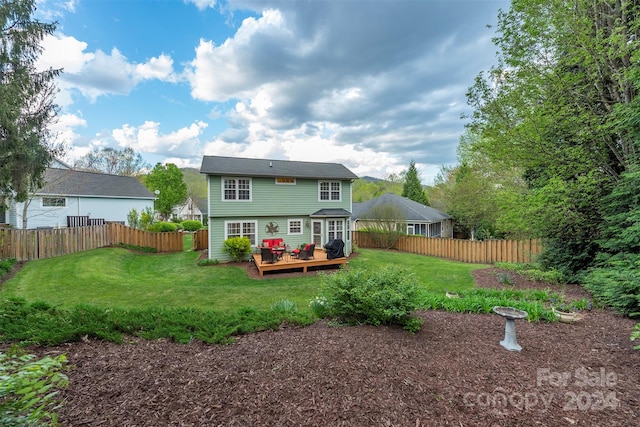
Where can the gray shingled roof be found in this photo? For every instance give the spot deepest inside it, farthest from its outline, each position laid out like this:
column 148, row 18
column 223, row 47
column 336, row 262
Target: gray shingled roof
column 331, row 213
column 413, row 211
column 234, row 166
column 65, row 182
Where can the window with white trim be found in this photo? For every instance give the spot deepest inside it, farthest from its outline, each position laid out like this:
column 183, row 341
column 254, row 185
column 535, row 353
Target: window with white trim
column 335, row 229
column 241, row 229
column 294, row 226
column 330, row 191
column 236, row 189
column 54, row 202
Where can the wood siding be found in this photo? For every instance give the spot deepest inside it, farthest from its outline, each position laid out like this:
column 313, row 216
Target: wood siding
column 479, row 252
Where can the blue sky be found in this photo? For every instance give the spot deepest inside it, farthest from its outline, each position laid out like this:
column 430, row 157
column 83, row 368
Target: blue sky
column 372, row 84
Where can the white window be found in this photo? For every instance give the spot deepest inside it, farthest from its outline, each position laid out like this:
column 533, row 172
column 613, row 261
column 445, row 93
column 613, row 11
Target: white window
column 241, row 229
column 335, row 228
column 294, row 226
column 54, row 202
column 330, row 191
column 236, row 189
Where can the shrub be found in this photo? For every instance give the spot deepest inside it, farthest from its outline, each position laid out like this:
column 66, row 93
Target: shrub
column 616, row 283
column 534, row 272
column 387, row 296
column 28, row 389
column 319, row 307
column 133, row 218
column 191, row 225
column 205, row 262
column 284, row 307
column 162, row 226
column 34, row 324
column 237, row 247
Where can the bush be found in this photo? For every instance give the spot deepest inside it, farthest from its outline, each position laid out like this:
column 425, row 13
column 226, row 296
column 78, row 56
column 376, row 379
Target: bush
column 41, row 324
column 191, row 225
column 162, row 226
column 237, row 247
column 534, row 272
column 205, row 262
column 319, row 307
column 635, row 334
column 284, row 307
column 387, row 296
column 616, row 283
column 28, row 389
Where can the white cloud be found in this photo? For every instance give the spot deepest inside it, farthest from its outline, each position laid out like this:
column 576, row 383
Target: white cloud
column 219, row 73
column 63, row 52
column 50, row 10
column 160, row 68
column 147, row 138
column 202, row 4
column 95, row 74
column 63, row 129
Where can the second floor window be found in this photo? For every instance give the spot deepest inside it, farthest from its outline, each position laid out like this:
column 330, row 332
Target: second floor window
column 330, row 190
column 236, row 189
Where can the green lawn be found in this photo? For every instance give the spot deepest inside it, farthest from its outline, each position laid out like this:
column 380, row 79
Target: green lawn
column 114, row 277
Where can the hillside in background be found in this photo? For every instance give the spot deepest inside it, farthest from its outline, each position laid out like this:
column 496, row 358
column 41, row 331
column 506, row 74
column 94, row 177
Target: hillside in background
column 196, row 182
column 366, row 188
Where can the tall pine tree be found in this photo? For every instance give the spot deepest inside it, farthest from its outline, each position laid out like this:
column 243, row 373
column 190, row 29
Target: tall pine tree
column 26, row 100
column 412, row 188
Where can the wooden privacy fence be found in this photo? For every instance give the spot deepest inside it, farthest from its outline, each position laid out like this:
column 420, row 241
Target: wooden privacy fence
column 26, row 245
column 163, row 242
column 200, row 240
column 472, row 251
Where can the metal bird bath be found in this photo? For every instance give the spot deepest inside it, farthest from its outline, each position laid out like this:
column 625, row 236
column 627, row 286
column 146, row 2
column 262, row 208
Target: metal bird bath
column 510, row 314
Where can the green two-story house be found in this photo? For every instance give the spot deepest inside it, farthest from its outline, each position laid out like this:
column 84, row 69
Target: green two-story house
column 299, row 202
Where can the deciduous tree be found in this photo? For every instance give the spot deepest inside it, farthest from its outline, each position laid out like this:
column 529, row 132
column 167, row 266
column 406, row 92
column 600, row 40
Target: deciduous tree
column 124, row 162
column 551, row 108
column 167, row 182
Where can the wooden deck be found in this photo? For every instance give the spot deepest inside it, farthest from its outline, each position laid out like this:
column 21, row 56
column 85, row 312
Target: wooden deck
column 290, row 263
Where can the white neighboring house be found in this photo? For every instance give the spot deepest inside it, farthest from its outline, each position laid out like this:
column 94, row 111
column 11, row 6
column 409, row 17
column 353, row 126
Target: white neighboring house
column 69, row 192
column 418, row 219
column 192, row 208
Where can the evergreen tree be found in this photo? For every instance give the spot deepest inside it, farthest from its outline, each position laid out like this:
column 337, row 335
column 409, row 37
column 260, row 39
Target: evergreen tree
column 26, row 100
column 412, row 188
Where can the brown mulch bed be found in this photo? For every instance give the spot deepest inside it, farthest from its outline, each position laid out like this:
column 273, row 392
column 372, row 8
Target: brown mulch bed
column 452, row 373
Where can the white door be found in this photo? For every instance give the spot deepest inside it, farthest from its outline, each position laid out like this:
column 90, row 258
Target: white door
column 317, row 235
